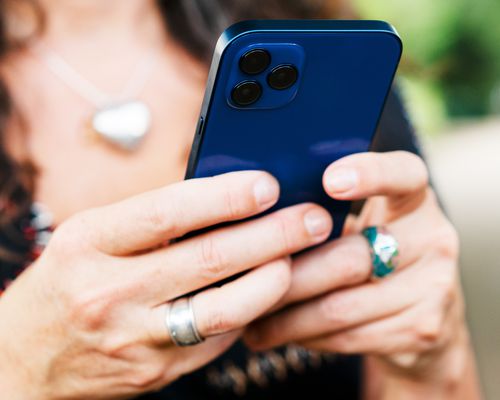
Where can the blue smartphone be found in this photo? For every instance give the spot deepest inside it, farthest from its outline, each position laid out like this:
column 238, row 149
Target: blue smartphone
column 291, row 97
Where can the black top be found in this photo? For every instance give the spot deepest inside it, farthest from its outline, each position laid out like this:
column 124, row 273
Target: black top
column 239, row 373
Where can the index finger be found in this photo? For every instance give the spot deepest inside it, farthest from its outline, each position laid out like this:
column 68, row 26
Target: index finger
column 153, row 218
column 395, row 174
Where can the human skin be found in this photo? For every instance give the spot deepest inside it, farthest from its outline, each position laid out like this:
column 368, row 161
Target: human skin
column 87, row 319
column 67, row 285
column 411, row 324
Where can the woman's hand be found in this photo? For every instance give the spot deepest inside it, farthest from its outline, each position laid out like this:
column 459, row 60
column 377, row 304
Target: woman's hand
column 86, row 321
column 413, row 321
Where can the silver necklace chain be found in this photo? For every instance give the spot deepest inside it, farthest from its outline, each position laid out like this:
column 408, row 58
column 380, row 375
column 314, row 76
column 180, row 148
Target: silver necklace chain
column 62, row 70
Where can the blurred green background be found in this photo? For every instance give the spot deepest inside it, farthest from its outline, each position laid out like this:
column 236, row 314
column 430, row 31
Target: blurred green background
column 451, row 66
column 450, row 76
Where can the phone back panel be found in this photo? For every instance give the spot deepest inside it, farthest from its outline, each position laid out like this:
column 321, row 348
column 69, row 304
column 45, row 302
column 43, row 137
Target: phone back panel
column 345, row 68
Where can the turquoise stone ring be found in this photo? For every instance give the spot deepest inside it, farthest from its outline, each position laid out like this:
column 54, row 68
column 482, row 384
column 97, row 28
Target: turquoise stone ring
column 383, row 249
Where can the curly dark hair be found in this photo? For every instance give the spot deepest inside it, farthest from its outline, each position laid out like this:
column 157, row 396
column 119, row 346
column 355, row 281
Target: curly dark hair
column 196, row 24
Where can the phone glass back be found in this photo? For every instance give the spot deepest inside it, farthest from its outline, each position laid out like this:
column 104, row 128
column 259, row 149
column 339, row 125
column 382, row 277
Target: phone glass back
column 345, row 71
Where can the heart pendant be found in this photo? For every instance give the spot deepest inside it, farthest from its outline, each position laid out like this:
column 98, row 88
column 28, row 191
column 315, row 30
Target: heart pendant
column 123, row 125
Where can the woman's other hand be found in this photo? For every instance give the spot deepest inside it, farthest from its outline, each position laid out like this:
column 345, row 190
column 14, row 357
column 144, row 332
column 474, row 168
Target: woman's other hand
column 411, row 321
column 87, row 320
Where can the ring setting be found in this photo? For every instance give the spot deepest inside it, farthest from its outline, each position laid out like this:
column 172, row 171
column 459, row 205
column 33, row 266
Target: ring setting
column 384, row 251
column 181, row 323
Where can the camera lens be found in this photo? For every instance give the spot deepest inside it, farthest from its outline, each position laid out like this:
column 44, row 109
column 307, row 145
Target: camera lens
column 283, row 77
column 246, row 93
column 255, row 62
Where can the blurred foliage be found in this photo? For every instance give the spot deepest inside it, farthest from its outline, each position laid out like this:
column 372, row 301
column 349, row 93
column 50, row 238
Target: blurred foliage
column 451, row 64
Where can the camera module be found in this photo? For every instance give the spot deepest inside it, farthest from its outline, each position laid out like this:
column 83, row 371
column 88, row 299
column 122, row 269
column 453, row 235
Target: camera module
column 246, row 93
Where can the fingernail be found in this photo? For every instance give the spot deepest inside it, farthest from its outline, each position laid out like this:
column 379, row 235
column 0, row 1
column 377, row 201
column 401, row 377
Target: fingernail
column 266, row 191
column 317, row 222
column 342, row 180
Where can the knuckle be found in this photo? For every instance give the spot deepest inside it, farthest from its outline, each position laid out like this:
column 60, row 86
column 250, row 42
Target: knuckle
column 349, row 270
column 211, row 259
column 446, row 241
column 335, row 310
column 235, row 203
column 444, row 287
column 89, row 312
column 70, row 238
column 355, row 262
column 148, row 377
column 343, row 343
column 381, row 169
column 162, row 215
column 283, row 276
column 447, row 289
column 284, row 226
column 419, row 167
column 376, row 173
column 426, row 337
column 428, row 331
column 114, row 346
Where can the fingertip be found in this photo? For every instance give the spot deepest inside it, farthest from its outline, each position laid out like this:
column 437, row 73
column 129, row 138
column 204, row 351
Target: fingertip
column 366, row 174
column 341, row 180
column 247, row 175
column 276, row 278
column 318, row 223
column 282, row 277
column 266, row 190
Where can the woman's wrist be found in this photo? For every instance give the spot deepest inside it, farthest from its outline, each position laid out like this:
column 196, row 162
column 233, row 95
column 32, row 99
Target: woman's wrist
column 16, row 381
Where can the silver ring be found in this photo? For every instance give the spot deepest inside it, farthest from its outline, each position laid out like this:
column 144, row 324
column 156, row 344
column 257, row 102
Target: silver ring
column 181, row 323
